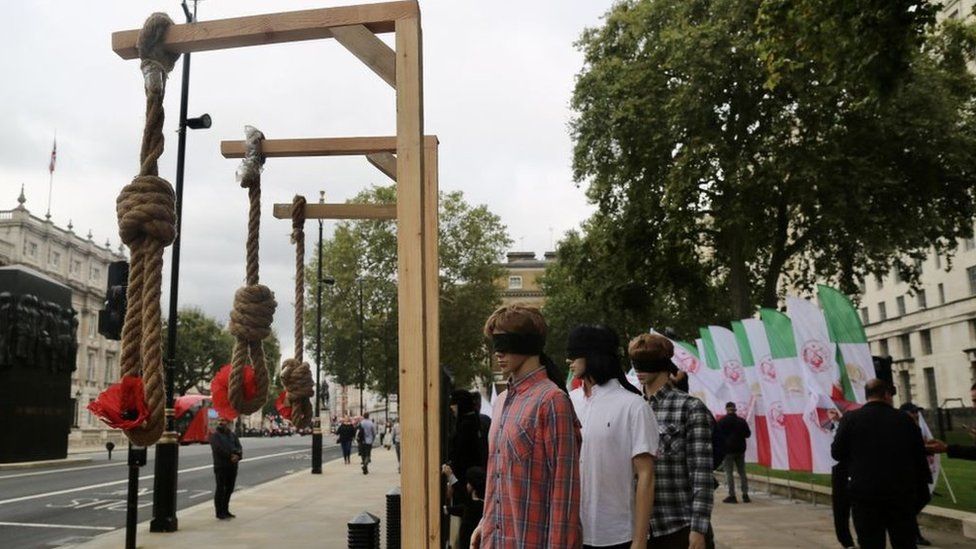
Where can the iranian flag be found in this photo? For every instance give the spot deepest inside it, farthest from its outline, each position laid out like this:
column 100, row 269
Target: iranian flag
column 787, row 397
column 853, row 352
column 817, row 352
column 709, row 376
column 723, row 349
column 759, row 445
column 779, row 430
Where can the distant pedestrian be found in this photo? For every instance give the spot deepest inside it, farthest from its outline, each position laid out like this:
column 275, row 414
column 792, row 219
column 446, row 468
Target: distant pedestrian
column 396, row 441
column 620, row 440
column 346, row 433
column 227, row 453
column 683, row 481
column 888, row 469
column 365, row 437
column 734, row 431
column 532, row 496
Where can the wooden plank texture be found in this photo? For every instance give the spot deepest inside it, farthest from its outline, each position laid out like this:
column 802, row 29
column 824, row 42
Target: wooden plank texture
column 369, row 49
column 384, row 162
column 317, row 146
column 272, row 28
column 340, row 211
column 432, row 320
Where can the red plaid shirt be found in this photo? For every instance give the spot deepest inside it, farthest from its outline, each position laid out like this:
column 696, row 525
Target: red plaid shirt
column 532, row 494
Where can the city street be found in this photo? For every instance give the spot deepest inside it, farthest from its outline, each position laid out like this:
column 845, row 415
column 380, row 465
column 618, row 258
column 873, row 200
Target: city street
column 55, row 506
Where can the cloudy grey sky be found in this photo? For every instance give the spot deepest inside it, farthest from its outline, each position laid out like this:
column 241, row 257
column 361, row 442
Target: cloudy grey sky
column 497, row 81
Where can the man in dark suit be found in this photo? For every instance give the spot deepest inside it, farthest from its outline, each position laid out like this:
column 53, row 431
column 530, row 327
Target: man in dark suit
column 888, row 469
column 227, row 452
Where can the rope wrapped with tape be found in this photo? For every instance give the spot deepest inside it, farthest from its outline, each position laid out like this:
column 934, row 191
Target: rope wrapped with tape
column 254, row 303
column 146, row 211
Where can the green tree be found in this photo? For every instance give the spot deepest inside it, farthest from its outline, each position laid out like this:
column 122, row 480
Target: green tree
column 710, row 154
column 203, row 345
column 363, row 255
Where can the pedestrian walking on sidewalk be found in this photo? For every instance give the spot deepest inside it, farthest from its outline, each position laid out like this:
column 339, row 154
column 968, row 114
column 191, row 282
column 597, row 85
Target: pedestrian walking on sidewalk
column 733, row 431
column 396, row 441
column 365, row 437
column 532, row 495
column 620, row 438
column 888, row 469
column 683, row 481
column 227, row 453
column 346, row 433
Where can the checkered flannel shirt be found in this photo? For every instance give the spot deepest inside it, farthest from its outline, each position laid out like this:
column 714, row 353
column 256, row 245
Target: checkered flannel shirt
column 683, row 481
column 532, row 493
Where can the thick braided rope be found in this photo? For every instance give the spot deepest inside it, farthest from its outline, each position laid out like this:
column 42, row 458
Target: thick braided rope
column 254, row 304
column 296, row 374
column 146, row 210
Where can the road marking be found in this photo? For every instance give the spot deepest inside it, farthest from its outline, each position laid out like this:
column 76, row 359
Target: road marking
column 70, row 526
column 65, row 470
column 123, row 481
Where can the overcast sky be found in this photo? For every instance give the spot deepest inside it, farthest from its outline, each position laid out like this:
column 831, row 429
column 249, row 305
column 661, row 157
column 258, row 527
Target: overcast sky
column 498, row 77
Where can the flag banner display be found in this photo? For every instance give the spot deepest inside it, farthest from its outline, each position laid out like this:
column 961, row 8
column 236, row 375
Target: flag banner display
column 725, row 350
column 773, row 395
column 847, row 331
column 816, row 351
column 821, row 417
column 716, row 393
column 786, row 368
column 757, row 448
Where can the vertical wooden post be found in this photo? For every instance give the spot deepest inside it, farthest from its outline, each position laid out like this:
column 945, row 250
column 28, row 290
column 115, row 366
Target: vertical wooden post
column 413, row 336
column 433, row 381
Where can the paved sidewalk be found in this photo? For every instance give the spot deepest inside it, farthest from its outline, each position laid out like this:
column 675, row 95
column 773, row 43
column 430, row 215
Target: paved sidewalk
column 776, row 522
column 299, row 510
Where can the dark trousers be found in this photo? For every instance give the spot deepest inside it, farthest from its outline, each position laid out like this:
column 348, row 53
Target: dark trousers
column 872, row 519
column 738, row 461
column 678, row 540
column 346, row 449
column 226, row 477
column 624, row 545
column 366, row 453
column 841, row 504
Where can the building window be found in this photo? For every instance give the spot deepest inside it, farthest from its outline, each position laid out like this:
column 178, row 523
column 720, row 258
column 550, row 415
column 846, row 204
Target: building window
column 864, row 315
column 89, row 418
column 514, row 282
column 91, row 366
column 30, row 249
column 926, row 339
column 92, row 325
column 905, row 380
column 972, row 329
column 906, row 345
column 883, row 348
column 971, row 274
column 900, row 303
column 862, row 287
column 95, row 272
column 878, row 282
column 76, row 267
column 56, row 260
column 896, row 274
column 968, row 244
column 941, row 294
column 930, row 386
column 938, row 261
column 882, row 311
column 922, row 301
column 109, row 368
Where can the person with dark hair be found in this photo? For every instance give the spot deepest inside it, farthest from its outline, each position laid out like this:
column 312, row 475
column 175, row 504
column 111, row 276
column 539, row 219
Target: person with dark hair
column 620, row 438
column 464, row 447
column 532, row 497
column 957, row 451
column 475, row 506
column 915, row 412
column 683, row 481
column 734, row 431
column 345, row 434
column 485, row 420
column 227, row 454
column 365, row 436
column 887, row 468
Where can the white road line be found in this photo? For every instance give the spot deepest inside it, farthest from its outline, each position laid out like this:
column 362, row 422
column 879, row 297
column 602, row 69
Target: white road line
column 65, row 470
column 146, row 477
column 69, row 526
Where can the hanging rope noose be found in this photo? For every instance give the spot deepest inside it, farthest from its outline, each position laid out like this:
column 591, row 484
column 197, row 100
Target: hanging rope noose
column 146, row 210
column 296, row 374
column 254, row 304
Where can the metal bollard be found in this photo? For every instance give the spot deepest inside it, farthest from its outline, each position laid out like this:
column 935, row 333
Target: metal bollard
column 364, row 531
column 393, row 518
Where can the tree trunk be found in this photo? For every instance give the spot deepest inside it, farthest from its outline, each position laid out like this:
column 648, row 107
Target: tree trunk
column 739, row 283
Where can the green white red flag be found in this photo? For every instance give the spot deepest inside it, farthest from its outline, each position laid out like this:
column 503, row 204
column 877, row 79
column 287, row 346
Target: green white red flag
column 847, row 332
column 758, row 446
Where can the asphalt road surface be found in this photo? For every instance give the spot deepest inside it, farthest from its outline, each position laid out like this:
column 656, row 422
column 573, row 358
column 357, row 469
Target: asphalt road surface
column 58, row 505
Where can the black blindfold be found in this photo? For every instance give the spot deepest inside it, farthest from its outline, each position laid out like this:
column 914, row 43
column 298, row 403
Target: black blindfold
column 518, row 344
column 659, row 365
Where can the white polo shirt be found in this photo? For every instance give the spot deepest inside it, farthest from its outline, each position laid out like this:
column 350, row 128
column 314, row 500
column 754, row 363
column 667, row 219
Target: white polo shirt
column 617, row 426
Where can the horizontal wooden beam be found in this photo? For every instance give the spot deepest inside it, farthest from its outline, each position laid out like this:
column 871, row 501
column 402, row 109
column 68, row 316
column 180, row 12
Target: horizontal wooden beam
column 320, row 146
column 272, row 28
column 340, row 211
column 369, row 49
column 384, row 162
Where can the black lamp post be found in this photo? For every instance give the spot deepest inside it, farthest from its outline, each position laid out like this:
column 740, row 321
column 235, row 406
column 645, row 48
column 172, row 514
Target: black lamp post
column 362, row 364
column 167, row 455
column 317, row 421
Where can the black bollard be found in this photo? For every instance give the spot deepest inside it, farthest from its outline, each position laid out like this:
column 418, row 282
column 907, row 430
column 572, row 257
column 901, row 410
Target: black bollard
column 110, row 446
column 137, row 458
column 364, row 531
column 393, row 518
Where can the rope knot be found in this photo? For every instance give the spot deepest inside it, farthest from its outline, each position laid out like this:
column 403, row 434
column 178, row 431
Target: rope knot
column 249, row 172
column 297, row 218
column 254, row 308
column 146, row 210
column 299, row 387
column 157, row 61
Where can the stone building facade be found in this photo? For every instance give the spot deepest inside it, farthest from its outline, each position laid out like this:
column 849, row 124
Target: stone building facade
column 81, row 264
column 521, row 282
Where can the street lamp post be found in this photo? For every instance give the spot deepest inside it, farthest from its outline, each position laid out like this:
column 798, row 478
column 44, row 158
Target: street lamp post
column 362, row 364
column 167, row 454
column 317, row 422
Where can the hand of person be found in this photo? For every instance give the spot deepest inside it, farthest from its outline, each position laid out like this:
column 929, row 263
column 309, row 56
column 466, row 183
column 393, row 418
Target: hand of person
column 234, row 458
column 936, row 446
column 696, row 540
column 476, row 538
column 446, row 470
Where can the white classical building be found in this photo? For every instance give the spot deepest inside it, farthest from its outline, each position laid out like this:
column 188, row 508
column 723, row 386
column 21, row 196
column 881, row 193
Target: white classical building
column 82, row 265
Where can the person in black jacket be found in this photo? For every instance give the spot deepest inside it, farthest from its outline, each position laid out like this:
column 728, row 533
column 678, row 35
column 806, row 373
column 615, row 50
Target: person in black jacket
column 733, row 430
column 475, row 507
column 345, row 434
column 957, row 451
column 464, row 448
column 887, row 467
column 227, row 453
